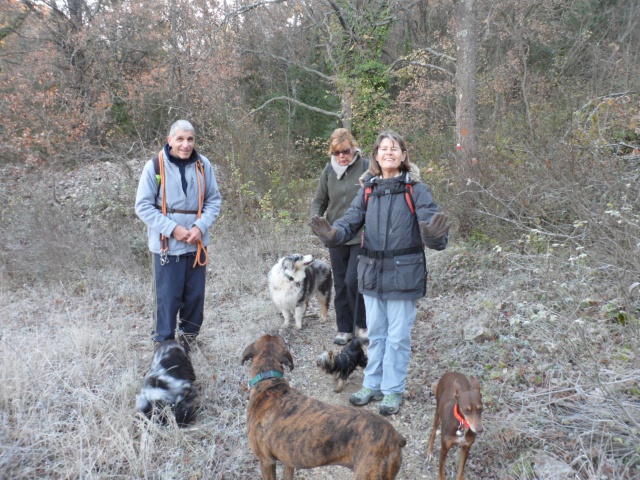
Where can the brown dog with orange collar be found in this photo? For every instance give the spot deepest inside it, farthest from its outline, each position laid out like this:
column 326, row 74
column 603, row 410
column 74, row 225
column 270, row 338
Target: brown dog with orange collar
column 459, row 409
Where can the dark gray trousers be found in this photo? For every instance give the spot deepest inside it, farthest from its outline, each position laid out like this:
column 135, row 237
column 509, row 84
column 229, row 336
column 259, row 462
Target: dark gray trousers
column 344, row 265
column 179, row 293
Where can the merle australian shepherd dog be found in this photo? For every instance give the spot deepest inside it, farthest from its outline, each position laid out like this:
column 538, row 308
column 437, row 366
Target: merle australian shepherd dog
column 344, row 363
column 293, row 280
column 168, row 387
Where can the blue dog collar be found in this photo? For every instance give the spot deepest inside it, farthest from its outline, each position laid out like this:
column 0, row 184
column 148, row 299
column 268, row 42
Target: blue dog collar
column 264, row 376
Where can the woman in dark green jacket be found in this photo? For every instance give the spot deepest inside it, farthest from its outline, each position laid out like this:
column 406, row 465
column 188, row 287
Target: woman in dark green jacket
column 337, row 187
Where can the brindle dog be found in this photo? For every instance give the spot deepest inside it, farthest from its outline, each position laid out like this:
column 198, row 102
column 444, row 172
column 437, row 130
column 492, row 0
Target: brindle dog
column 301, row 432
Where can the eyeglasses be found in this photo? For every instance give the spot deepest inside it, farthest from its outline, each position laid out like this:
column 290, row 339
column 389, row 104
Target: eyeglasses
column 346, row 151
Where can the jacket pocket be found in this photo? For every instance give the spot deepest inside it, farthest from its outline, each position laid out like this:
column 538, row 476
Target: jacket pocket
column 410, row 273
column 367, row 273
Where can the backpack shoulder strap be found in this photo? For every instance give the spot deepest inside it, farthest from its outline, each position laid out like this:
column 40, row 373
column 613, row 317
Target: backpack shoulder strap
column 200, row 166
column 156, row 169
column 367, row 193
column 408, row 195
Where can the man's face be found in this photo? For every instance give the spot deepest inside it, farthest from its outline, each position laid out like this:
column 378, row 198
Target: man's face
column 182, row 143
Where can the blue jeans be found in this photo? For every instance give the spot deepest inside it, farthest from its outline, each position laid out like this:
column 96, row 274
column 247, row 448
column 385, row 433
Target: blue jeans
column 390, row 323
column 179, row 290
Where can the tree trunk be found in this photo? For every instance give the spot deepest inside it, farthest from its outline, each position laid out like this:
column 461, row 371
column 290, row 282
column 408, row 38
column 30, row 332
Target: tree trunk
column 466, row 104
column 347, row 110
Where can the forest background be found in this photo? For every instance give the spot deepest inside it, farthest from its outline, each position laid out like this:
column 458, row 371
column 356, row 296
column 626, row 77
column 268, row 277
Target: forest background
column 523, row 116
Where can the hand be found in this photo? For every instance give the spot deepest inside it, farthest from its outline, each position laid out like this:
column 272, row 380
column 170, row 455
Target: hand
column 438, row 227
column 191, row 236
column 195, row 235
column 321, row 227
column 180, row 233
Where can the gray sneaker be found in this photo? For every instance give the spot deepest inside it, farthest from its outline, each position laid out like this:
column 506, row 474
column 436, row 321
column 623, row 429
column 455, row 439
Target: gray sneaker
column 364, row 396
column 362, row 333
column 391, row 404
column 342, row 338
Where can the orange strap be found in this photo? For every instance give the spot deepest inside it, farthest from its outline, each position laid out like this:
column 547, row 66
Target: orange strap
column 201, row 188
column 164, row 241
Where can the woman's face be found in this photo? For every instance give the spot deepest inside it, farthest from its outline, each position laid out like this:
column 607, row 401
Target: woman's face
column 344, row 154
column 390, row 157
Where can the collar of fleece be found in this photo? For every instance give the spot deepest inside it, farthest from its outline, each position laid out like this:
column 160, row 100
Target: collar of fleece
column 412, row 176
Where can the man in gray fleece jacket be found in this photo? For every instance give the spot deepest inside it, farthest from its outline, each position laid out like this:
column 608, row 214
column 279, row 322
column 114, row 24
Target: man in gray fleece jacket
column 179, row 238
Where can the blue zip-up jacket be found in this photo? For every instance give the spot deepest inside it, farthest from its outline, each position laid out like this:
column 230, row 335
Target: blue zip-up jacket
column 157, row 223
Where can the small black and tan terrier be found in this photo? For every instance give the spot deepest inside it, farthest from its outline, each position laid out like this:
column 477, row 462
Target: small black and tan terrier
column 344, row 363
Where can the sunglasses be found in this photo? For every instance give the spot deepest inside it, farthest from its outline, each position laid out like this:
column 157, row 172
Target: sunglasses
column 346, row 151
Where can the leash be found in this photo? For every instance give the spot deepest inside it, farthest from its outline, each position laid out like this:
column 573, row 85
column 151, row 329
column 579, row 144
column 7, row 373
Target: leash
column 264, row 376
column 355, row 316
column 201, row 249
column 164, row 241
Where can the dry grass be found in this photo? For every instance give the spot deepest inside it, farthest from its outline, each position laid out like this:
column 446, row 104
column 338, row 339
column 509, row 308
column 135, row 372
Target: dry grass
column 559, row 367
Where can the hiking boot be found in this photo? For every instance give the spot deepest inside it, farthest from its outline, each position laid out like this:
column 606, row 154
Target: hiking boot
column 364, row 396
column 362, row 333
column 342, row 338
column 188, row 341
column 390, row 404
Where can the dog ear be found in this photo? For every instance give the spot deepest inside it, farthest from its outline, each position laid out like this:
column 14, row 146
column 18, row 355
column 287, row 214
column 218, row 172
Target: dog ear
column 288, row 263
column 287, row 359
column 456, row 389
column 434, row 387
column 248, row 354
column 475, row 384
column 363, row 361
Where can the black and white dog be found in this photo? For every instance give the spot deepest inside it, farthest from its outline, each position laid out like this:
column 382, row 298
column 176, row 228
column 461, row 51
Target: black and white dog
column 169, row 385
column 343, row 364
column 293, row 280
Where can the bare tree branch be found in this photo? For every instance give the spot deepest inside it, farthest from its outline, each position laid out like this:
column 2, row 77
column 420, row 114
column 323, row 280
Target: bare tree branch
column 253, row 6
column 440, row 54
column 297, row 102
column 604, row 97
column 291, row 62
column 341, row 18
column 419, row 64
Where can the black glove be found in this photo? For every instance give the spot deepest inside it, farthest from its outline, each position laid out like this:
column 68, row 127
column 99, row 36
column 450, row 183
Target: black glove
column 321, row 228
column 438, row 227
